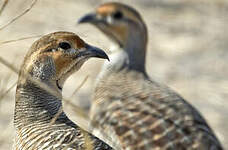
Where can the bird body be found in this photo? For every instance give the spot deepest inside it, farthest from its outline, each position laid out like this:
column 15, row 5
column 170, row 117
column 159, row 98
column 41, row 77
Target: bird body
column 135, row 112
column 140, row 113
column 39, row 119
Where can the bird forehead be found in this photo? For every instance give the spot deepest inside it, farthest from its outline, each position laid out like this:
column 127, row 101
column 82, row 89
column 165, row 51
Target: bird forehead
column 75, row 40
column 52, row 40
column 109, row 8
column 106, row 9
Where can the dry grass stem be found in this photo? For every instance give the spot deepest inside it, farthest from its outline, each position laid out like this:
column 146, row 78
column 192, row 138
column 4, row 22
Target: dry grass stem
column 20, row 39
column 3, row 94
column 20, row 15
column 9, row 65
column 4, row 81
column 88, row 142
column 80, row 86
column 3, row 6
column 56, row 116
column 79, row 111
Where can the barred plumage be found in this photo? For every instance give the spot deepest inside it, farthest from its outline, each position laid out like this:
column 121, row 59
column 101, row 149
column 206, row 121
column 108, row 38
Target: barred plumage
column 39, row 119
column 136, row 112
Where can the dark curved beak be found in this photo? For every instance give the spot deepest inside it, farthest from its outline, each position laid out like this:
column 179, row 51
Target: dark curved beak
column 88, row 18
column 92, row 51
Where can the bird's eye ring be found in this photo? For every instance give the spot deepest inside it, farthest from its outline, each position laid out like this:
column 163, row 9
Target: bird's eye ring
column 117, row 15
column 64, row 45
column 50, row 50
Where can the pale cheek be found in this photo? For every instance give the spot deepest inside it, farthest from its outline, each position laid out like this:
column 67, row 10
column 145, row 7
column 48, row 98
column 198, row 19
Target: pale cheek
column 109, row 20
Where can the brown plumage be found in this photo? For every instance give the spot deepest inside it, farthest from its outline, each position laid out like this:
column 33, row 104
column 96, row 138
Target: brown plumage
column 39, row 119
column 136, row 112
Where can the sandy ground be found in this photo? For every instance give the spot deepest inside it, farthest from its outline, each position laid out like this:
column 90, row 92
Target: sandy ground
column 187, row 51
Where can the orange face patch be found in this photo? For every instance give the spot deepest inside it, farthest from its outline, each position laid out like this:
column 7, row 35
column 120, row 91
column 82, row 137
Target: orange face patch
column 61, row 62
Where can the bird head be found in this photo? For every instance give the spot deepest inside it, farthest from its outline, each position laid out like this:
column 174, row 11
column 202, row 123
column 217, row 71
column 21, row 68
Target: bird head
column 55, row 56
column 118, row 21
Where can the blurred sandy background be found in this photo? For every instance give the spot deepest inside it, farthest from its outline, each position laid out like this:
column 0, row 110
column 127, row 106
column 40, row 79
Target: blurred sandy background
column 188, row 41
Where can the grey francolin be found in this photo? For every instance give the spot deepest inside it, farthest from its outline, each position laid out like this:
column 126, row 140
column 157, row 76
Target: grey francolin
column 39, row 119
column 135, row 111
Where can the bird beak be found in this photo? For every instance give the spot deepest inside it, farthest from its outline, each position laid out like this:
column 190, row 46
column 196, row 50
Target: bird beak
column 88, row 18
column 92, row 51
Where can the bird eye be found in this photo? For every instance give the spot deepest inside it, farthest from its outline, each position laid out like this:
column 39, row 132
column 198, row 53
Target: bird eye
column 64, row 45
column 118, row 15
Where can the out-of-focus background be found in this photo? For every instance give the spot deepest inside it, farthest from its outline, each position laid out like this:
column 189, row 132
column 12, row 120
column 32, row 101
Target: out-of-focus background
column 187, row 50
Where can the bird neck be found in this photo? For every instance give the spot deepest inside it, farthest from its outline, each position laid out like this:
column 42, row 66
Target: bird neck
column 135, row 47
column 132, row 54
column 36, row 105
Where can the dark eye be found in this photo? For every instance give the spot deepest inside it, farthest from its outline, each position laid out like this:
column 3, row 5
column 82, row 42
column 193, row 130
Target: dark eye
column 64, row 45
column 118, row 15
